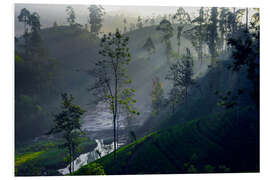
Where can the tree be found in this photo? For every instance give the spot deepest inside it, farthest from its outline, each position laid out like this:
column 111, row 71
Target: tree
column 152, row 21
column 132, row 26
column 183, row 18
column 125, row 25
column 223, row 26
column 55, row 24
column 139, row 22
column 132, row 136
column 212, row 35
column 96, row 14
column 166, row 28
column 181, row 74
column 32, row 39
column 71, row 16
column 175, row 96
column 35, row 33
column 157, row 96
column 111, row 78
column 246, row 54
column 68, row 124
column 24, row 17
column 149, row 46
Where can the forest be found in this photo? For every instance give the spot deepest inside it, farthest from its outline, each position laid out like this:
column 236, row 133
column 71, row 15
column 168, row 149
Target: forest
column 107, row 92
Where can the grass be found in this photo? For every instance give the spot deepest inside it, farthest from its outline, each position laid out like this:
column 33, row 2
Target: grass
column 19, row 159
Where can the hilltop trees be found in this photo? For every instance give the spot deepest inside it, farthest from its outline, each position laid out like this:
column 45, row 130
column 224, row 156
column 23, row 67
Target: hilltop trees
column 96, row 14
column 222, row 25
column 111, row 79
column 32, row 39
column 212, row 35
column 183, row 18
column 245, row 53
column 68, row 124
column 71, row 16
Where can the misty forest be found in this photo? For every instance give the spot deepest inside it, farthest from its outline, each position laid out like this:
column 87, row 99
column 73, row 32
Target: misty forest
column 114, row 90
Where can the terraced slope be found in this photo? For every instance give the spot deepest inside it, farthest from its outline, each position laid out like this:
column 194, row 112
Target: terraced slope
column 218, row 143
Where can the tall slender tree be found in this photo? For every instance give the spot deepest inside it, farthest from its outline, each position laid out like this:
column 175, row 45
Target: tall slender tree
column 139, row 22
column 212, row 35
column 112, row 82
column 183, row 19
column 71, row 17
column 96, row 14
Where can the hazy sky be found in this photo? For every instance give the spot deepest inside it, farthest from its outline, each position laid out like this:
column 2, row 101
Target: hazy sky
column 50, row 13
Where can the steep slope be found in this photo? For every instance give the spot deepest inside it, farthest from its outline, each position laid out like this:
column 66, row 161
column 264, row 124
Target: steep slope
column 217, row 143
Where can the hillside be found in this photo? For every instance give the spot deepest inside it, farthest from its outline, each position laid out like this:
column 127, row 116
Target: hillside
column 71, row 53
column 217, row 143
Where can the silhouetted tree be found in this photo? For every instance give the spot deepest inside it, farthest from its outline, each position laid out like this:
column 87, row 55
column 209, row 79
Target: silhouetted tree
column 71, row 16
column 139, row 22
column 55, row 24
column 125, row 25
column 183, row 18
column 245, row 53
column 96, row 14
column 132, row 136
column 32, row 38
column 223, row 26
column 212, row 35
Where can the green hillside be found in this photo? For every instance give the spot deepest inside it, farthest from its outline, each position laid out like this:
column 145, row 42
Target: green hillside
column 217, row 143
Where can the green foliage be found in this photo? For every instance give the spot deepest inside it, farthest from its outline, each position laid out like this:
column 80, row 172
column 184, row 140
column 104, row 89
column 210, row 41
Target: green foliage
column 67, row 122
column 91, row 169
column 198, row 146
column 209, row 168
column 112, row 82
column 44, row 157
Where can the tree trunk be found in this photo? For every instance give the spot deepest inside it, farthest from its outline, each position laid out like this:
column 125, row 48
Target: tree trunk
column 115, row 113
column 70, row 171
column 247, row 19
column 186, row 96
